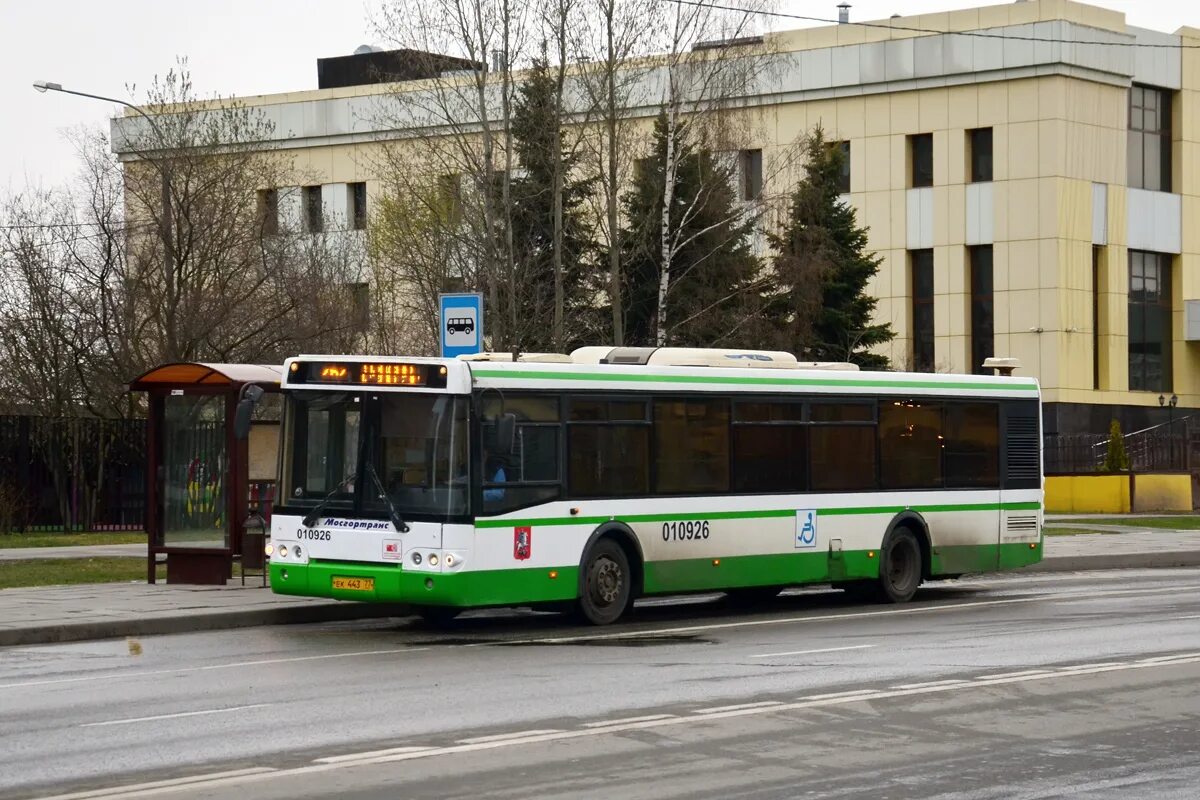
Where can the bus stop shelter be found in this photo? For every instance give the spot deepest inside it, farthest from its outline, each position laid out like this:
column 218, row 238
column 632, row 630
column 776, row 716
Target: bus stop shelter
column 201, row 480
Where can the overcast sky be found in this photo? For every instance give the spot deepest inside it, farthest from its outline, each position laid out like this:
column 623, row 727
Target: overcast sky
column 244, row 47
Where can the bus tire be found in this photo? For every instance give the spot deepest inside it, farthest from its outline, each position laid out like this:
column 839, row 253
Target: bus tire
column 900, row 567
column 605, row 583
column 438, row 616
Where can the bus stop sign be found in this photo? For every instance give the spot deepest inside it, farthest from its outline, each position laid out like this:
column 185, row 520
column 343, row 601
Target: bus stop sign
column 461, row 324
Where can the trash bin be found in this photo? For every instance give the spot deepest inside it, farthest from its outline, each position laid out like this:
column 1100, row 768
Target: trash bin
column 254, row 541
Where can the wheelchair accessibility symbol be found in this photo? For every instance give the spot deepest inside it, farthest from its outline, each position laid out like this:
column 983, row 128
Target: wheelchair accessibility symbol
column 806, row 528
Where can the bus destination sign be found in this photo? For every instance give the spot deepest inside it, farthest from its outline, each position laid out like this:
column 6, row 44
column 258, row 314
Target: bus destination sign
column 370, row 373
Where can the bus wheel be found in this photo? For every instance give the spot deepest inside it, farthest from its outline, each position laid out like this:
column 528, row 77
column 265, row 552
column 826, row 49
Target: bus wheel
column 605, row 589
column 438, row 616
column 899, row 567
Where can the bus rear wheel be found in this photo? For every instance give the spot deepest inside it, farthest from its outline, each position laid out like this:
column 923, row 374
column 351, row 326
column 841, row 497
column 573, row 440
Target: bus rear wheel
column 605, row 588
column 899, row 566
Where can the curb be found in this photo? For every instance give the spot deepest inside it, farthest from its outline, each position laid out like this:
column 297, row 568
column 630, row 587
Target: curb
column 192, row 623
column 343, row 612
column 1166, row 560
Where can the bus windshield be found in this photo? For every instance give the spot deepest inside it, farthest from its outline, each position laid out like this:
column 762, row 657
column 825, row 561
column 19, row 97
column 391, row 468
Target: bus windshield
column 416, row 444
column 419, row 451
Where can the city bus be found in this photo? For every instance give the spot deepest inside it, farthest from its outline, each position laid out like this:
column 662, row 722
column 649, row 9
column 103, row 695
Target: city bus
column 588, row 480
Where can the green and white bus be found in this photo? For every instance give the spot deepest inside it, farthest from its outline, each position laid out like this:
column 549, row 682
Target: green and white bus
column 589, row 480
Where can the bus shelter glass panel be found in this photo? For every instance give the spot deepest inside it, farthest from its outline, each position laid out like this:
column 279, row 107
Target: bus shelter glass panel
column 195, row 465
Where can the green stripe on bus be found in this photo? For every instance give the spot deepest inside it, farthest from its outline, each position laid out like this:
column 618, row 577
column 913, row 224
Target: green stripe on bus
column 744, row 381
column 758, row 514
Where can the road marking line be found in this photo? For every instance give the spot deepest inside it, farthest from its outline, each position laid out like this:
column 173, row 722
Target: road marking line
column 501, row 737
column 208, row 667
column 810, row 652
column 527, row 737
column 1074, row 667
column 738, row 707
column 837, row 695
column 1020, row 674
column 173, row 716
column 164, row 784
column 1186, row 616
column 605, row 723
column 369, row 754
column 928, row 684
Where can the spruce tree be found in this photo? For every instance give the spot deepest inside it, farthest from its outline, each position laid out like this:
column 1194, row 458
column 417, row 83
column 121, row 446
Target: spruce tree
column 819, row 306
column 544, row 160
column 713, row 269
column 1115, row 459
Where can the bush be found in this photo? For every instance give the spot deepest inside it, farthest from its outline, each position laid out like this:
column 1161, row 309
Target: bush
column 1115, row 460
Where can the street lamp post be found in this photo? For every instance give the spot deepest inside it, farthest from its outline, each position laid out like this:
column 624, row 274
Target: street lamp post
column 1170, row 405
column 165, row 228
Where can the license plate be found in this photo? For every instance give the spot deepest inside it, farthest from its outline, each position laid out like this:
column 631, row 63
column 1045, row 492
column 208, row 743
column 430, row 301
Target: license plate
column 354, row 584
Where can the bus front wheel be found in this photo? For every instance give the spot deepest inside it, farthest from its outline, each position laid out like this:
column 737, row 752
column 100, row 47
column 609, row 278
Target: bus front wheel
column 606, row 588
column 899, row 566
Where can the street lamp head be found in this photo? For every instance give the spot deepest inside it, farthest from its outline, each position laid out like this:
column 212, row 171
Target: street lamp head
column 44, row 86
column 1174, row 400
column 1162, row 401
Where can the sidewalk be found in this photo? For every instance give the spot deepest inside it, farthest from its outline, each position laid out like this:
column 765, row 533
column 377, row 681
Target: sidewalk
column 100, row 611
column 79, row 551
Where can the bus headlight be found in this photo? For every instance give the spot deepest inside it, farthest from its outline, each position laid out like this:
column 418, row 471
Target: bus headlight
column 296, row 550
column 433, row 559
column 283, row 551
column 451, row 560
column 270, row 550
column 416, row 558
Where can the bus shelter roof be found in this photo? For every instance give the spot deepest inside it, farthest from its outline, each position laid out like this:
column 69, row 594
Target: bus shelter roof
column 195, row 373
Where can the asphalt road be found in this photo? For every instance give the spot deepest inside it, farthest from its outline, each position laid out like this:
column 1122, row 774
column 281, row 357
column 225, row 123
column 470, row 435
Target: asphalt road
column 1071, row 685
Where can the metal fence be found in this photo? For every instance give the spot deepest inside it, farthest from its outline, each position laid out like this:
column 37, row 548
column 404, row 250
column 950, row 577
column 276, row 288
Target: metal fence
column 71, row 474
column 1168, row 447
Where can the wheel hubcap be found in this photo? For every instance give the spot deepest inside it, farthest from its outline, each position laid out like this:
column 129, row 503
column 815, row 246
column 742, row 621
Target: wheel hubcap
column 606, row 581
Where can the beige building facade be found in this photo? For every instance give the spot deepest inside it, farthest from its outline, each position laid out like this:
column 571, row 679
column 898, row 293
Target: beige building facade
column 1029, row 172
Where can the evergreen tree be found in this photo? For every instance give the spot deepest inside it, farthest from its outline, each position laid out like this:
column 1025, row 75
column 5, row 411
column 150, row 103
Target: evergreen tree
column 819, row 307
column 1115, row 459
column 547, row 163
column 712, row 268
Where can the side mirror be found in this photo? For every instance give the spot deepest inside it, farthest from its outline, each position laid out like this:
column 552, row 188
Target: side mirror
column 251, row 394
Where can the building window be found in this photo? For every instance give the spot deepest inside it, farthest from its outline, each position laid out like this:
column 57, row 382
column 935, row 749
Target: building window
column 982, row 316
column 360, row 305
column 1149, row 138
column 1149, row 321
column 1096, row 284
column 314, row 218
column 750, row 172
column 844, row 174
column 921, row 292
column 358, row 205
column 980, row 146
column 920, row 151
column 449, row 198
column 268, row 211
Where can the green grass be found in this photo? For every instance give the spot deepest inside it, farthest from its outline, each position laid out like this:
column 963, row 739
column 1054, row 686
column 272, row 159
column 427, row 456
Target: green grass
column 1057, row 530
column 61, row 571
column 1180, row 522
column 8, row 540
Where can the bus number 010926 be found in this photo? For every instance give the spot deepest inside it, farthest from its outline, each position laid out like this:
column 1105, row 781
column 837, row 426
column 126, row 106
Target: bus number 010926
column 685, row 531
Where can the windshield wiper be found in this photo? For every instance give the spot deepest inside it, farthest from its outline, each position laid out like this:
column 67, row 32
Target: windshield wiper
column 311, row 517
column 397, row 521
